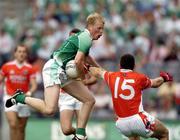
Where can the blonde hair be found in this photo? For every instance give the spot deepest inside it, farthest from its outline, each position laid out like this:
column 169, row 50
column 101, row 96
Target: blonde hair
column 92, row 18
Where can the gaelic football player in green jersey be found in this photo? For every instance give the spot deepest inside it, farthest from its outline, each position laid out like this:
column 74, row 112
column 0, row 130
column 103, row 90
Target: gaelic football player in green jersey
column 54, row 77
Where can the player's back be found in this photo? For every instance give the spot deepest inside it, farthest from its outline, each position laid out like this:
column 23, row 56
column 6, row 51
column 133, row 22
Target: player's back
column 126, row 87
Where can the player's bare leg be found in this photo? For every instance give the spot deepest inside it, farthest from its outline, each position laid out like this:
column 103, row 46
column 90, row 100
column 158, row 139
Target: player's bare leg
column 48, row 106
column 77, row 116
column 78, row 90
column 13, row 125
column 81, row 92
column 66, row 117
column 21, row 127
column 160, row 132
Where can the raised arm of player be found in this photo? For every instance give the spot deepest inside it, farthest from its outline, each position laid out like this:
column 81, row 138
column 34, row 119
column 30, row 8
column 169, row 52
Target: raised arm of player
column 164, row 77
column 156, row 82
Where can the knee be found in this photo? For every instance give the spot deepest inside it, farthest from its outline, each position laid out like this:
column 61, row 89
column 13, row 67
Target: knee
column 49, row 111
column 13, row 125
column 67, row 131
column 91, row 101
column 166, row 133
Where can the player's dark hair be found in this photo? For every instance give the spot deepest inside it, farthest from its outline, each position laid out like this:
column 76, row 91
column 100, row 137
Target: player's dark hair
column 127, row 61
column 74, row 31
column 21, row 45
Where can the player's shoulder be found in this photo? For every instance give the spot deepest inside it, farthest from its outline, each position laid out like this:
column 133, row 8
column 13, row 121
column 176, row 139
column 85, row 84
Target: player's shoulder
column 85, row 34
column 110, row 73
column 10, row 63
column 28, row 65
column 138, row 75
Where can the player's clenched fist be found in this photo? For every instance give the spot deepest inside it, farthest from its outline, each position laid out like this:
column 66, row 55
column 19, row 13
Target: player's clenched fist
column 166, row 76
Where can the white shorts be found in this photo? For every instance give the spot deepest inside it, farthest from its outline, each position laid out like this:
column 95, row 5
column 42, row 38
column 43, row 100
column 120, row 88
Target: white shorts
column 54, row 74
column 67, row 102
column 22, row 110
column 141, row 124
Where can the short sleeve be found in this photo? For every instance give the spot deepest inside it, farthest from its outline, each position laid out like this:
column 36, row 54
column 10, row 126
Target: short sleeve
column 106, row 76
column 145, row 82
column 3, row 70
column 85, row 42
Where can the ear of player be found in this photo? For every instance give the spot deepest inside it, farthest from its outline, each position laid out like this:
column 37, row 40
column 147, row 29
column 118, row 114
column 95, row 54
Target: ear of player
column 166, row 76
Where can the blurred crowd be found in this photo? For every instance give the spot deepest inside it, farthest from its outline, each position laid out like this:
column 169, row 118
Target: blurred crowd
column 149, row 29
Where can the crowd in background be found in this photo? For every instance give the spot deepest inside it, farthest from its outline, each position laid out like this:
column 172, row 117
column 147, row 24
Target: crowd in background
column 148, row 29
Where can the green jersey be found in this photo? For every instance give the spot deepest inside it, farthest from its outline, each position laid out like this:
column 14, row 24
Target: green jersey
column 81, row 41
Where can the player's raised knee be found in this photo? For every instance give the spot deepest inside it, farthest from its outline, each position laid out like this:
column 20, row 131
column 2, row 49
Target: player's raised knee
column 91, row 101
column 49, row 111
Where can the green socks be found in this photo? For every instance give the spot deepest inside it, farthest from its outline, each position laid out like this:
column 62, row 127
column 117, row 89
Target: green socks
column 80, row 132
column 20, row 98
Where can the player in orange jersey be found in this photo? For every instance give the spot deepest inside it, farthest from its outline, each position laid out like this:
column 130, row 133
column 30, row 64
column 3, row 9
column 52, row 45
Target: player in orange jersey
column 126, row 88
column 18, row 74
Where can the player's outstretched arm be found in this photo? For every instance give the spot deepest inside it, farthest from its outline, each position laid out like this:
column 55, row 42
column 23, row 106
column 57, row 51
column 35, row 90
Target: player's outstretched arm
column 164, row 77
column 97, row 72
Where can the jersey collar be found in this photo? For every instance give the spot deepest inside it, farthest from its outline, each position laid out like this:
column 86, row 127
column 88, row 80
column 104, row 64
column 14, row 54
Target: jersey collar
column 125, row 70
column 18, row 64
column 86, row 30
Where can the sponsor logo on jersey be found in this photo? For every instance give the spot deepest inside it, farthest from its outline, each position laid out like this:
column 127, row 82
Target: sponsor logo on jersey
column 25, row 72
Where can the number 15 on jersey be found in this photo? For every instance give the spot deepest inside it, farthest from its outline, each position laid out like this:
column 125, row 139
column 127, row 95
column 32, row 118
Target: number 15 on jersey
column 124, row 86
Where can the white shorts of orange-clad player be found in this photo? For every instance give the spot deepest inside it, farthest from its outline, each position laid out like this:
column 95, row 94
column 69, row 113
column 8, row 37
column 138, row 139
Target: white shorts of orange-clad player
column 21, row 109
column 67, row 102
column 141, row 124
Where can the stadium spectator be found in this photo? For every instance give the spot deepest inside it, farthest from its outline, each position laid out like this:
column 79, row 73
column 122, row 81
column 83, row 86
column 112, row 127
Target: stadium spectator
column 18, row 74
column 166, row 95
column 54, row 76
column 103, row 105
column 126, row 88
column 177, row 99
column 6, row 46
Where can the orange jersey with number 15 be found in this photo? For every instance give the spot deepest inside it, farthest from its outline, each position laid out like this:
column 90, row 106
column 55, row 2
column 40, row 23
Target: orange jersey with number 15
column 126, row 88
column 17, row 77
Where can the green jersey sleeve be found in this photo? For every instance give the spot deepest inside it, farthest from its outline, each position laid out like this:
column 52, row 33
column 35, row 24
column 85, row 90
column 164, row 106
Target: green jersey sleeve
column 85, row 42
